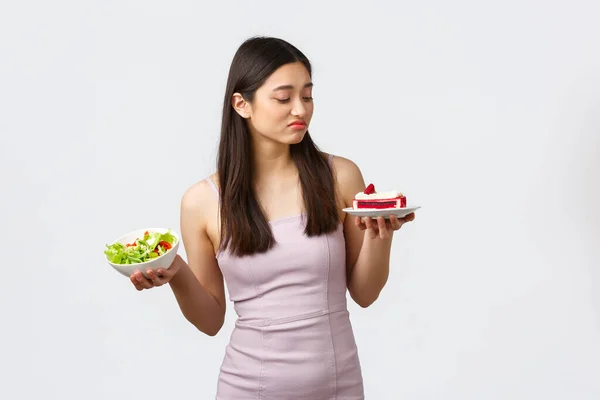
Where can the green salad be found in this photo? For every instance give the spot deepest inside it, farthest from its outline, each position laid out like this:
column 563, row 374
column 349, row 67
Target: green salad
column 151, row 245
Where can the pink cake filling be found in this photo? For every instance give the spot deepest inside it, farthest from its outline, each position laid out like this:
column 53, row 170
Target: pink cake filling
column 397, row 202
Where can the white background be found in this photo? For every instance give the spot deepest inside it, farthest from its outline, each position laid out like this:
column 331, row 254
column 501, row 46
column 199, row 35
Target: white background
column 484, row 113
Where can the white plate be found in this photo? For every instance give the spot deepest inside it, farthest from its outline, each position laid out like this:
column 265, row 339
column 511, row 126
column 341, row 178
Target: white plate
column 385, row 212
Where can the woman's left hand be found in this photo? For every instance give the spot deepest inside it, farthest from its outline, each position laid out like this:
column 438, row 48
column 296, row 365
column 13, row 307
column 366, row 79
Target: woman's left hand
column 382, row 227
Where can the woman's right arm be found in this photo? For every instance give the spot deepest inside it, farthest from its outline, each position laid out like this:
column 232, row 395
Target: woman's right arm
column 198, row 284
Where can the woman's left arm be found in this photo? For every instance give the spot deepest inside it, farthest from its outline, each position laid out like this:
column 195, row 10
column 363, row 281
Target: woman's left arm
column 368, row 241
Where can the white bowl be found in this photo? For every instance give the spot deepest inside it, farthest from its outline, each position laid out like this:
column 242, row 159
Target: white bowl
column 163, row 261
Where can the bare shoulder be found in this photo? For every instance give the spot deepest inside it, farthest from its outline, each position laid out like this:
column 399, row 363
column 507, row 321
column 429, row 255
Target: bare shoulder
column 199, row 200
column 345, row 169
column 199, row 193
column 349, row 178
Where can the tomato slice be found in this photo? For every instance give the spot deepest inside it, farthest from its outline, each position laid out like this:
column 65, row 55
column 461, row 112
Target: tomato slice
column 165, row 244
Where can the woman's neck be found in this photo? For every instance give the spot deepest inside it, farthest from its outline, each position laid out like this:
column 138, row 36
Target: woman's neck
column 271, row 160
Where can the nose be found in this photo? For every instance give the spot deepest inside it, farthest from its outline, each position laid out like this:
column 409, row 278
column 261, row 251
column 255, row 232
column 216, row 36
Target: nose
column 299, row 109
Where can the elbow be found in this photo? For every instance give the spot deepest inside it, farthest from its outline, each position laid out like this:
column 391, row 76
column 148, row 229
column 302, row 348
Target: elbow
column 212, row 332
column 209, row 330
column 216, row 328
column 365, row 303
column 365, row 294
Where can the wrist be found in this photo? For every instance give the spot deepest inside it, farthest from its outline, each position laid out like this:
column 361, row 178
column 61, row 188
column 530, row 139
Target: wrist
column 378, row 241
column 177, row 266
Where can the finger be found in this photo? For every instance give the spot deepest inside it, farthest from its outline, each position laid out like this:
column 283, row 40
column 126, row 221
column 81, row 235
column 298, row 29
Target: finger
column 384, row 232
column 165, row 274
column 370, row 227
column 143, row 281
column 358, row 221
column 156, row 280
column 135, row 282
column 171, row 270
column 409, row 217
column 395, row 222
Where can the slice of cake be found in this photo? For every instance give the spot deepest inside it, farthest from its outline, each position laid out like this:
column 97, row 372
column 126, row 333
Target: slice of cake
column 371, row 199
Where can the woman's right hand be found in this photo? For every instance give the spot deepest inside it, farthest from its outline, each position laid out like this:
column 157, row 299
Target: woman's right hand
column 156, row 278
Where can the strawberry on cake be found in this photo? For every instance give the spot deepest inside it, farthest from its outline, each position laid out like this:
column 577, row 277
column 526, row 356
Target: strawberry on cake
column 370, row 199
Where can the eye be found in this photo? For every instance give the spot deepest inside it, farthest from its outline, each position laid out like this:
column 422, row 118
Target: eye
column 308, row 98
column 283, row 100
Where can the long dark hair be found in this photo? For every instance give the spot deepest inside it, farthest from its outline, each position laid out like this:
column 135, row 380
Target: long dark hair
column 244, row 227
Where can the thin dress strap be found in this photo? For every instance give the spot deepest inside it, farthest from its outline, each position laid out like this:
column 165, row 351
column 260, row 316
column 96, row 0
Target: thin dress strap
column 330, row 158
column 213, row 186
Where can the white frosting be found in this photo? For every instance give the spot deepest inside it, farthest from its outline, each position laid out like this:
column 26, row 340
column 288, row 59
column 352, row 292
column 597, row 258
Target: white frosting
column 377, row 195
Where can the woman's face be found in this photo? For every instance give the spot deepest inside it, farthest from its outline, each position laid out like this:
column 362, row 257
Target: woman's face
column 282, row 107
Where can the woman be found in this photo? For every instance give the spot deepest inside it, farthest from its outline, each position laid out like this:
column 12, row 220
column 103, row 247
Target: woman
column 269, row 222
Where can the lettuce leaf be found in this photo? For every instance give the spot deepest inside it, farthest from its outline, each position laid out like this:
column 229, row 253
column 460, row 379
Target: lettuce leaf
column 149, row 246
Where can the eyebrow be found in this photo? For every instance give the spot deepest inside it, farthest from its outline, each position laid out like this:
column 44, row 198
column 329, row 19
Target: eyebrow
column 288, row 87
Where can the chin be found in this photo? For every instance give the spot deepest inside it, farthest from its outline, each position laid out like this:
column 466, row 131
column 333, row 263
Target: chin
column 297, row 138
